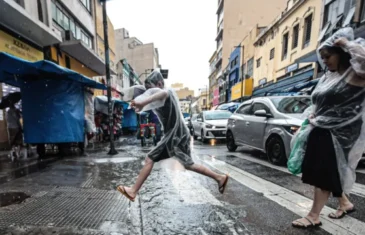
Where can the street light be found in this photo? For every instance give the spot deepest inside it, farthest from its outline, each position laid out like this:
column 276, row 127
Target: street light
column 112, row 150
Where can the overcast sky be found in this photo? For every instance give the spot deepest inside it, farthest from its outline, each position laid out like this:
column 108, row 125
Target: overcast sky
column 182, row 30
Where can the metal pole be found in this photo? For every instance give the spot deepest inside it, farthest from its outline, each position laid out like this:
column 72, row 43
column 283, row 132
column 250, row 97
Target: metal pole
column 112, row 150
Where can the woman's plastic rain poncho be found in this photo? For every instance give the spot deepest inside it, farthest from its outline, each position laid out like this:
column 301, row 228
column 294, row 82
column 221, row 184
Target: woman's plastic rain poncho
column 338, row 105
column 176, row 139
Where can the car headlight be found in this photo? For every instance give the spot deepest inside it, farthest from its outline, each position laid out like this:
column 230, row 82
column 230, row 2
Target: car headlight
column 209, row 126
column 291, row 129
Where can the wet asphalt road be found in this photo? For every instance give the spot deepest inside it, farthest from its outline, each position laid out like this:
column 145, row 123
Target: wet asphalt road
column 77, row 196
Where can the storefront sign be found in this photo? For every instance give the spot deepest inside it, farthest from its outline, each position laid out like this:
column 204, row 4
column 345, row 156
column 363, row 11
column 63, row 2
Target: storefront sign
column 216, row 97
column 291, row 68
column 19, row 48
column 262, row 81
column 247, row 87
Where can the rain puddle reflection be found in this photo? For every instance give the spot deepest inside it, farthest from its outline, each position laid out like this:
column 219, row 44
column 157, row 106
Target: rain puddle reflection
column 115, row 160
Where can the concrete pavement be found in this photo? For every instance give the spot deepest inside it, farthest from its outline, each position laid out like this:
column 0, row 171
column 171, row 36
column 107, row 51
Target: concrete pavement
column 78, row 196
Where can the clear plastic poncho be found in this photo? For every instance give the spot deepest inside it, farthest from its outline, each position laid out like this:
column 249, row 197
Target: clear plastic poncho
column 176, row 140
column 338, row 105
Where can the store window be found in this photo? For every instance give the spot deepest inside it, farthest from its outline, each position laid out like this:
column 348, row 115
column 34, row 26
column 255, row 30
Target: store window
column 295, row 36
column 307, row 30
column 285, row 46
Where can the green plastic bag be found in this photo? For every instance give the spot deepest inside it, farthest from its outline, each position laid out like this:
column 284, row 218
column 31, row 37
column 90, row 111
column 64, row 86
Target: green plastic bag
column 298, row 149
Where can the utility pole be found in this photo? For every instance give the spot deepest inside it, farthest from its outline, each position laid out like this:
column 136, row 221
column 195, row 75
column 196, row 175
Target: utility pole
column 112, row 150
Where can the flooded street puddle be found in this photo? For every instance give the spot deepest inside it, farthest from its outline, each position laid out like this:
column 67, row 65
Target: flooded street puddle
column 11, row 198
column 115, row 160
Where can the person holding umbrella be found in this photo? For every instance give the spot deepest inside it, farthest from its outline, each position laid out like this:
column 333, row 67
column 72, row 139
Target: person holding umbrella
column 176, row 141
column 15, row 130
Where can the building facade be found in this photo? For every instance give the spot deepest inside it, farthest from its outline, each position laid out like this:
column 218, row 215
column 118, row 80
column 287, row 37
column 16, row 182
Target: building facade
column 66, row 32
column 181, row 91
column 283, row 44
column 235, row 18
column 142, row 57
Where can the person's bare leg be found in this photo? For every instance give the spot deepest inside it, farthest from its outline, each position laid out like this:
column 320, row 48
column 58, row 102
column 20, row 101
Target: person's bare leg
column 345, row 205
column 320, row 199
column 200, row 169
column 143, row 175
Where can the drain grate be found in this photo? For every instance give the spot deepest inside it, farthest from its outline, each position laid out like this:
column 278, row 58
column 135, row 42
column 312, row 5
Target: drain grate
column 70, row 207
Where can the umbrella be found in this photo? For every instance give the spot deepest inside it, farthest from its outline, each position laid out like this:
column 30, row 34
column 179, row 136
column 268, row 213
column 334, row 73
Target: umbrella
column 11, row 98
column 132, row 92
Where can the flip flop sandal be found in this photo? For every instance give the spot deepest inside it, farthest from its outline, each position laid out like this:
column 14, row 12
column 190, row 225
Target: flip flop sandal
column 301, row 225
column 224, row 185
column 121, row 189
column 344, row 213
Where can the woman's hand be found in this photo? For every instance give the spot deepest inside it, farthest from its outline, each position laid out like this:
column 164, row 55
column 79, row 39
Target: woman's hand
column 341, row 42
column 137, row 105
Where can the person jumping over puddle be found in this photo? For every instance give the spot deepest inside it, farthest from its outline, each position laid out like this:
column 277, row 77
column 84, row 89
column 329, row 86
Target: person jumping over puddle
column 175, row 142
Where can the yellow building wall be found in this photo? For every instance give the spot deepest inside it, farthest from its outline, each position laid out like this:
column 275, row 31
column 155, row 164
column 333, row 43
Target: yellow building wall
column 100, row 35
column 298, row 16
column 247, row 87
column 75, row 64
column 267, row 68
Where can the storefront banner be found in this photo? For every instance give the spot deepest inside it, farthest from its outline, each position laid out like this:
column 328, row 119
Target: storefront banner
column 19, row 48
column 215, row 96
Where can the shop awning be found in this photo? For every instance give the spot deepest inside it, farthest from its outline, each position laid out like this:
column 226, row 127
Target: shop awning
column 281, row 85
column 15, row 17
column 16, row 72
column 311, row 57
column 86, row 56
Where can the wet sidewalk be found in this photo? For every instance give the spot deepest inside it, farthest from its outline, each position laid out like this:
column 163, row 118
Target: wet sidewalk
column 72, row 196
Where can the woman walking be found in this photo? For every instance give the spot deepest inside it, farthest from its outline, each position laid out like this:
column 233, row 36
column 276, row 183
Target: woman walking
column 337, row 138
column 176, row 139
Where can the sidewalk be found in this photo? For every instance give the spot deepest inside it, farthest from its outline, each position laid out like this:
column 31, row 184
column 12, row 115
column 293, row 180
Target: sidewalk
column 73, row 196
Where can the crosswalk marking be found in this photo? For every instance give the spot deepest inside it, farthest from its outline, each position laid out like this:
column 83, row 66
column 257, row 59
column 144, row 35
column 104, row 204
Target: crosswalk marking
column 358, row 189
column 294, row 202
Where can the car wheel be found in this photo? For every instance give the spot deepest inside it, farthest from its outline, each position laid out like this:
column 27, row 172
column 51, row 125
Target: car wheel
column 231, row 145
column 202, row 137
column 275, row 150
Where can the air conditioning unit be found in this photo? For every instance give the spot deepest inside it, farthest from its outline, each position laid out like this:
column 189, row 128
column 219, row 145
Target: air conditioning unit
column 69, row 35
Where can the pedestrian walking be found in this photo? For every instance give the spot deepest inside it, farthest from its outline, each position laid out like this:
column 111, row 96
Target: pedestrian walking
column 15, row 130
column 336, row 135
column 176, row 140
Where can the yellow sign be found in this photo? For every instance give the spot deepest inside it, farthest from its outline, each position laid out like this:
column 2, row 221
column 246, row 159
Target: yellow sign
column 247, row 89
column 18, row 48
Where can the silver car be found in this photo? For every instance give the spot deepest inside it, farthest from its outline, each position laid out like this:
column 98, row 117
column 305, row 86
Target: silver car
column 211, row 125
column 267, row 124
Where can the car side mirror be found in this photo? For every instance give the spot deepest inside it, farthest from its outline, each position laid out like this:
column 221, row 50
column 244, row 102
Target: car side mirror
column 262, row 113
column 199, row 119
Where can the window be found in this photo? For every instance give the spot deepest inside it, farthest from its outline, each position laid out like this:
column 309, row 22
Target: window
column 272, row 53
column 40, row 11
column 234, row 62
column 285, row 46
column 259, row 106
column 243, row 71
column 258, row 63
column 68, row 23
column 68, row 62
column 245, row 109
column 250, row 67
column 307, row 30
column 295, row 36
column 86, row 4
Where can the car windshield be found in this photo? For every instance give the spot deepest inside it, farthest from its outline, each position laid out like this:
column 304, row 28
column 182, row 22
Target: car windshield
column 291, row 105
column 214, row 115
